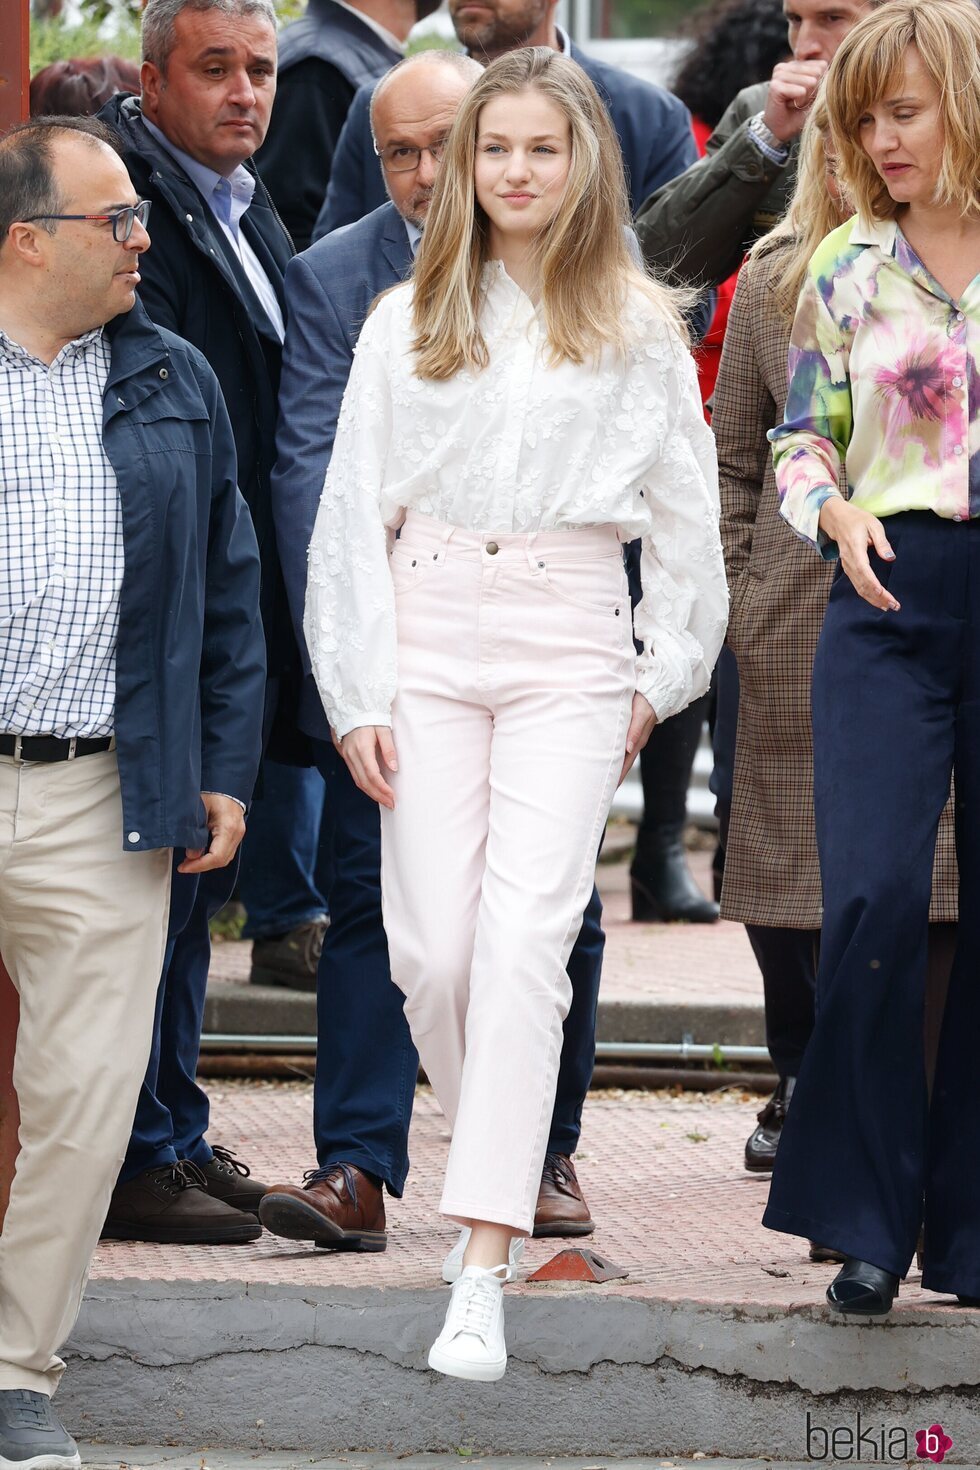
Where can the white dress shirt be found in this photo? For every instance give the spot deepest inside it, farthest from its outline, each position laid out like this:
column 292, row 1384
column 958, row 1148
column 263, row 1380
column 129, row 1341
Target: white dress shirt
column 228, row 199
column 61, row 544
column 522, row 446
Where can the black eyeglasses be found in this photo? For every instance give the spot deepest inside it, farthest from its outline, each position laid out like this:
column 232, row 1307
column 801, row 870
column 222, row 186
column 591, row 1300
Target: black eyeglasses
column 399, row 158
column 121, row 219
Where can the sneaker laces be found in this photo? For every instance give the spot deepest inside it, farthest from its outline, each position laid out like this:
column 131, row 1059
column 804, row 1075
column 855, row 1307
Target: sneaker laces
column 475, row 1301
column 229, row 1164
column 325, row 1175
column 30, row 1410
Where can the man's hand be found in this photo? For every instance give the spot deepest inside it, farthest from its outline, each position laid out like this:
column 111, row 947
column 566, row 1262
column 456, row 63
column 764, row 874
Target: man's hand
column 642, row 721
column 226, row 823
column 792, row 90
column 359, row 749
column 855, row 530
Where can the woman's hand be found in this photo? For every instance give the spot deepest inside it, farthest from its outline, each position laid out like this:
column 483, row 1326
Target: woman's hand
column 642, row 721
column 359, row 749
column 854, row 531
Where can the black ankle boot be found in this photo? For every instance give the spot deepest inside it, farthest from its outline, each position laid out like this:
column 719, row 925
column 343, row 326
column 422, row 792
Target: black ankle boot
column 862, row 1289
column 661, row 884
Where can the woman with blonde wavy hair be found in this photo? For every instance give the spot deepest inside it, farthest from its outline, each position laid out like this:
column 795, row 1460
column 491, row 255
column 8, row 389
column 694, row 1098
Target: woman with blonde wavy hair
column 885, row 390
column 779, row 592
column 521, row 408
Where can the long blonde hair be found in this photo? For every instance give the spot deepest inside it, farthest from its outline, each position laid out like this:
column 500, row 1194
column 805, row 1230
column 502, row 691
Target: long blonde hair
column 584, row 260
column 813, row 212
column 870, row 61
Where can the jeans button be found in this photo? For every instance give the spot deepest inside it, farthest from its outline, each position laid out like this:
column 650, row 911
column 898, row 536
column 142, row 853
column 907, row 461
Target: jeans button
column 492, row 548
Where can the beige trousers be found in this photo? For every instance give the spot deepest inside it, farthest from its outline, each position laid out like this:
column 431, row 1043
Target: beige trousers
column 83, row 927
column 516, row 672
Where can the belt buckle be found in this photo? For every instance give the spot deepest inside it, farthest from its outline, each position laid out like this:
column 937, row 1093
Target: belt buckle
column 72, row 745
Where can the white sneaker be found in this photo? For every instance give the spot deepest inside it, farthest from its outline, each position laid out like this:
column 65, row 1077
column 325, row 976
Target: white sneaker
column 452, row 1266
column 471, row 1344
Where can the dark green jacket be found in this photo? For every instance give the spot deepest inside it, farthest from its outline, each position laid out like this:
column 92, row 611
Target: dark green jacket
column 698, row 226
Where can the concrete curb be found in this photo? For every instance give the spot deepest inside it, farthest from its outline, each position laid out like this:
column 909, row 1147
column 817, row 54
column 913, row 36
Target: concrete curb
column 260, row 1010
column 593, row 1370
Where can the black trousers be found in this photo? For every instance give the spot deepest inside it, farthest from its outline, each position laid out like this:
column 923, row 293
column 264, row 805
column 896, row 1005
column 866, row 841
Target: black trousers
column 865, row 1153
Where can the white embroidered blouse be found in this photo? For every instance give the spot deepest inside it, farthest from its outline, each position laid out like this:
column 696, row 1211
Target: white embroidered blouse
column 521, row 446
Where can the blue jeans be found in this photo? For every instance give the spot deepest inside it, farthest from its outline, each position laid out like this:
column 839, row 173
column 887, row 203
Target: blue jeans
column 285, row 867
column 367, row 1066
column 173, row 1112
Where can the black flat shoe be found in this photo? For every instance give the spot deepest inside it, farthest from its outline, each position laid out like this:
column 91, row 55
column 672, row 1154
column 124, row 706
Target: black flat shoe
column 862, row 1290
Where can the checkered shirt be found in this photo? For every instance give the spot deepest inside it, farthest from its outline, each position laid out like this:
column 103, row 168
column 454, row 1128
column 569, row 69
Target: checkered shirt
column 61, row 546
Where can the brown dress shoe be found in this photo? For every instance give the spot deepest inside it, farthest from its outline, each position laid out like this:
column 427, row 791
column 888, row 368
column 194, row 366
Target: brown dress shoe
column 338, row 1208
column 171, row 1206
column 561, row 1207
column 228, row 1179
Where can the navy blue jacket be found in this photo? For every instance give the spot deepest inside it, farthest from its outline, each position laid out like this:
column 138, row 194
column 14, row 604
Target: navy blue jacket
column 654, row 130
column 190, row 656
column 329, row 290
column 323, row 58
column 194, row 284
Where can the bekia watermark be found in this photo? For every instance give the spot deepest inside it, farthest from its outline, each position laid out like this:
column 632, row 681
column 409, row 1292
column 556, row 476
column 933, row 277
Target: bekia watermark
column 872, row 1444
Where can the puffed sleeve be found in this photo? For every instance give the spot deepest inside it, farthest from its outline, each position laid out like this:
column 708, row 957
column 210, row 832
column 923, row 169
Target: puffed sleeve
column 350, row 603
column 809, row 446
column 682, row 615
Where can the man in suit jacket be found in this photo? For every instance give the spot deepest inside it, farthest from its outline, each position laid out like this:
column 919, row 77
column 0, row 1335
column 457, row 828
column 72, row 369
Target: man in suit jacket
column 214, row 275
column 367, row 1066
column 654, row 128
column 333, row 49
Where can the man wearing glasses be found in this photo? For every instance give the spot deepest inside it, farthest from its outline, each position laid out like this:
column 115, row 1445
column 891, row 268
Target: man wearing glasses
column 131, row 674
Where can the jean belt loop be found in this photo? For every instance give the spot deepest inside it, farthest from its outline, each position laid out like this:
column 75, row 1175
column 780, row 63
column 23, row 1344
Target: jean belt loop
column 447, row 534
column 72, row 747
column 18, row 748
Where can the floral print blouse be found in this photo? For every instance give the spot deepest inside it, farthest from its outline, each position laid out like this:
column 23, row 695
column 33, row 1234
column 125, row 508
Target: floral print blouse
column 883, row 376
column 525, row 445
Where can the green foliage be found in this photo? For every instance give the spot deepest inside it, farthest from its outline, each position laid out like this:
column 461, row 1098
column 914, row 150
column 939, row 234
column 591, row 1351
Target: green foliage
column 52, row 40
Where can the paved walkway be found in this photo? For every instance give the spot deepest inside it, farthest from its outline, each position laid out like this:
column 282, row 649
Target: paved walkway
column 663, row 1175
column 704, row 964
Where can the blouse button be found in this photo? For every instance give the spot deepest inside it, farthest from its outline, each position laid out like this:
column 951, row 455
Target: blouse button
column 492, row 548
column 957, row 448
column 959, row 316
column 957, row 518
column 957, row 381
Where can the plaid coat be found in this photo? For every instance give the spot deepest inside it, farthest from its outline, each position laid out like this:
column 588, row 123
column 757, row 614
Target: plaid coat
column 778, row 588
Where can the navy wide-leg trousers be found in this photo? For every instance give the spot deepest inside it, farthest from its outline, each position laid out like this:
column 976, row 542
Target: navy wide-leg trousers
column 896, row 708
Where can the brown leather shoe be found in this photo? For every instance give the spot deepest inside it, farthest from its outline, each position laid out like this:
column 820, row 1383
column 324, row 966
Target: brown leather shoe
column 338, row 1208
column 171, row 1206
column 561, row 1207
column 228, row 1179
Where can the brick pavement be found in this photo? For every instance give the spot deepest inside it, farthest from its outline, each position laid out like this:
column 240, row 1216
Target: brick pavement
column 662, row 1173
column 707, row 964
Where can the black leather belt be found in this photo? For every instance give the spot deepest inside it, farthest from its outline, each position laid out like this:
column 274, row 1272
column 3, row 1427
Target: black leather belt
column 50, row 748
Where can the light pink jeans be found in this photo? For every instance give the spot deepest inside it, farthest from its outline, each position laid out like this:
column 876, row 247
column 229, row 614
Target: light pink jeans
column 515, row 683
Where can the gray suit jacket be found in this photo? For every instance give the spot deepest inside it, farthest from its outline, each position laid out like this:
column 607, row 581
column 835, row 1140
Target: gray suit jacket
column 329, row 291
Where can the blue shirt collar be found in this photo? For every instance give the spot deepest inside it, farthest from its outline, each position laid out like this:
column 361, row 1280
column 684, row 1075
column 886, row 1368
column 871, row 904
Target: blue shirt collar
column 228, row 198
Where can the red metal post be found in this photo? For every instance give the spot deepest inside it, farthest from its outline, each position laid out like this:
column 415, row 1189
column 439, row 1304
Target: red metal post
column 15, row 24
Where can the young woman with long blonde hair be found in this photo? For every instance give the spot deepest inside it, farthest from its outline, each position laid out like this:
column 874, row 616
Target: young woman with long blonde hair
column 521, row 408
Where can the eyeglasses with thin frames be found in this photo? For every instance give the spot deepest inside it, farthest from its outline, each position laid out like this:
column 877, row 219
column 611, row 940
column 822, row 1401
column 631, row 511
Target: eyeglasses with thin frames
column 121, row 219
column 399, row 158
